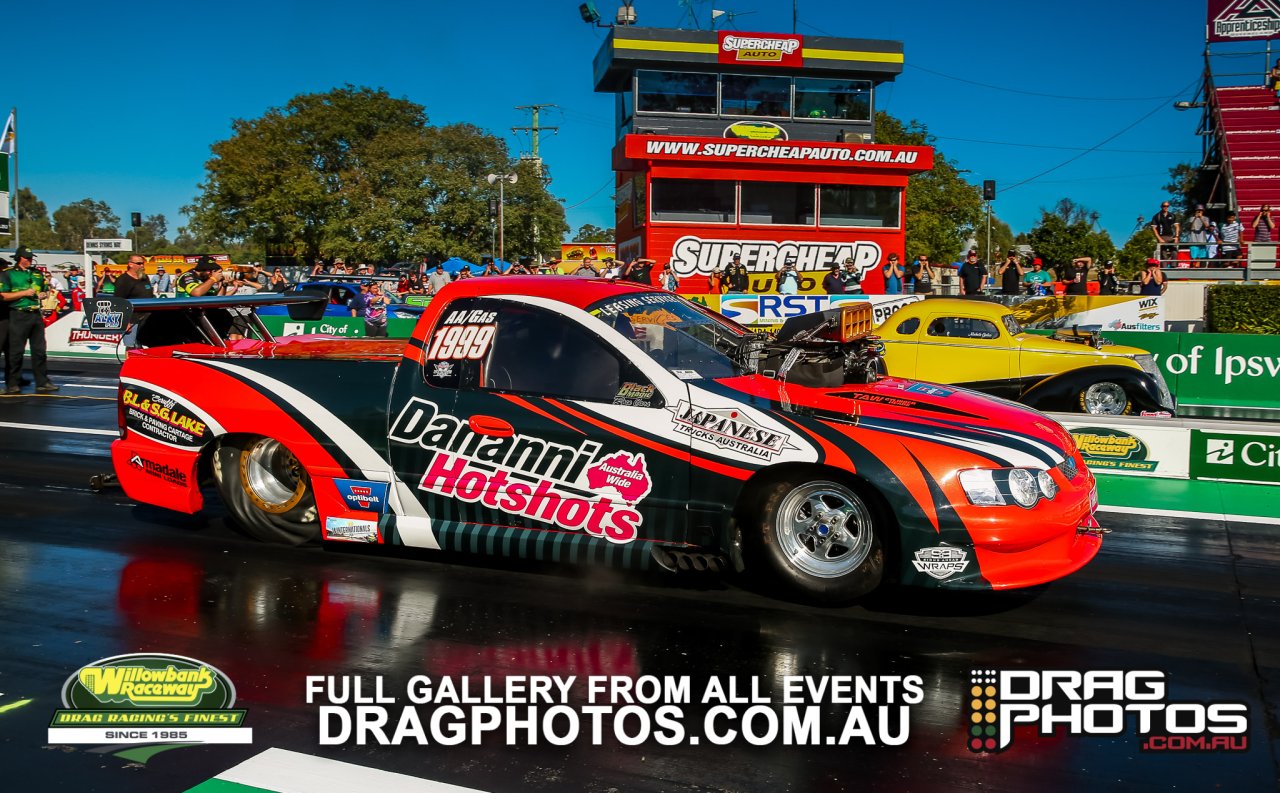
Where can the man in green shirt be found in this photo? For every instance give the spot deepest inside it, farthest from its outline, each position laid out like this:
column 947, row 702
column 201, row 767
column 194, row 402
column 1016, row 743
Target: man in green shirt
column 20, row 288
column 1038, row 281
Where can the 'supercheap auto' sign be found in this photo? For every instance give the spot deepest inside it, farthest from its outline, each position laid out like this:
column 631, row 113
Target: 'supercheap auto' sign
column 697, row 256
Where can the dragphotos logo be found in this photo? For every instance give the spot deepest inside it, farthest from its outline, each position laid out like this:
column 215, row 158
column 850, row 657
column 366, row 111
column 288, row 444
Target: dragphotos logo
column 1098, row 702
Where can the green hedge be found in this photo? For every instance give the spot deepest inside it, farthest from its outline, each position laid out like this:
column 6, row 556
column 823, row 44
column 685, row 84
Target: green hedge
column 1236, row 308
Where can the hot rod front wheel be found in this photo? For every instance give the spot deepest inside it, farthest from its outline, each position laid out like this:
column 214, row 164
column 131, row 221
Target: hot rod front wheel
column 820, row 539
column 1105, row 399
column 266, row 490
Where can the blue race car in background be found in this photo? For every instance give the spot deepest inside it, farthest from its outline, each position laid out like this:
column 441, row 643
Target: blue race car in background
column 340, row 292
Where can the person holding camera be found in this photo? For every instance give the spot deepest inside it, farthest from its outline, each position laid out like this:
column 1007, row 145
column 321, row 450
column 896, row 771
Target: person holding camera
column 1108, row 283
column 1011, row 274
column 203, row 279
column 786, row 280
column 893, row 274
column 1078, row 278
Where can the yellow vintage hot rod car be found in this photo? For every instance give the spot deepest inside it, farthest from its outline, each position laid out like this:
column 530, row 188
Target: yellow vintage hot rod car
column 981, row 346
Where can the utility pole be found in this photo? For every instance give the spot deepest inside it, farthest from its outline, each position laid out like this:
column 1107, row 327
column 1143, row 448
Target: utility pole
column 534, row 129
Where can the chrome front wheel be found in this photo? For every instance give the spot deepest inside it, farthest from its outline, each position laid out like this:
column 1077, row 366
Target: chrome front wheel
column 1105, row 399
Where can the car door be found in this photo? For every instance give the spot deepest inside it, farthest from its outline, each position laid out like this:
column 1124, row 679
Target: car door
column 541, row 450
column 958, row 348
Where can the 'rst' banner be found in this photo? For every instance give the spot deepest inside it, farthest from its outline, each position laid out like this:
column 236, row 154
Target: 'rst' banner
column 1240, row 20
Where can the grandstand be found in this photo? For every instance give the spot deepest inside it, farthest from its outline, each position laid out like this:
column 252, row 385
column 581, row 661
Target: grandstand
column 1247, row 125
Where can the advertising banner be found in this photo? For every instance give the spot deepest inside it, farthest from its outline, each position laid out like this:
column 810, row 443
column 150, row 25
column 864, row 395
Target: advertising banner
column 1235, row 456
column 1092, row 313
column 760, row 49
column 880, row 157
column 623, row 202
column 1241, row 20
column 1132, row 449
column 777, row 309
column 577, row 251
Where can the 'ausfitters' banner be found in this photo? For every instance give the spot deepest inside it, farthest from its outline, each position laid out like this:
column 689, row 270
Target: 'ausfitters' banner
column 1239, row 20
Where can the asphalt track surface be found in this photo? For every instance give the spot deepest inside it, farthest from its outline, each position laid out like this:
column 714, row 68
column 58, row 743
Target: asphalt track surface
column 87, row 575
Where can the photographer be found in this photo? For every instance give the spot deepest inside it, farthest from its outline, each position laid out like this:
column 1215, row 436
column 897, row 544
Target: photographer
column 1078, row 277
column 786, row 280
column 203, row 279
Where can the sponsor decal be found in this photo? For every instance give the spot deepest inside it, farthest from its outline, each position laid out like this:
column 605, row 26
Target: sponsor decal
column 148, row 698
column 465, row 335
column 755, row 130
column 693, row 255
column 1098, row 702
column 941, row 561
column 931, row 390
column 442, row 370
column 162, row 418
column 82, row 337
column 686, row 374
column 1243, row 458
column 1106, row 448
column 850, row 154
column 635, row 395
column 105, row 317
column 1156, row 414
column 351, row 529
column 761, row 49
column 174, row 476
column 573, row 487
column 883, row 307
column 363, row 495
column 1234, row 20
column 729, row 428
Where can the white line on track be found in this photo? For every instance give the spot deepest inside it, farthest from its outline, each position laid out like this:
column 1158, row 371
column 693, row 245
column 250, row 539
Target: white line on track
column 47, row 428
column 86, row 385
column 293, row 772
column 1177, row 513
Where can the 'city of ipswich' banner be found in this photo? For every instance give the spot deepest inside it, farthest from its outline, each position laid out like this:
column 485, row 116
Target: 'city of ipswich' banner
column 1240, row 20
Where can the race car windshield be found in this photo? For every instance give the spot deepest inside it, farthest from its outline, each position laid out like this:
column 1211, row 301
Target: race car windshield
column 689, row 342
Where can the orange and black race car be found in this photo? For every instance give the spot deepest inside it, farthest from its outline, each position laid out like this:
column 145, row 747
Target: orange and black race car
column 584, row 420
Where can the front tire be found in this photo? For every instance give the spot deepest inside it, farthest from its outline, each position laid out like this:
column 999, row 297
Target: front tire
column 266, row 490
column 1105, row 398
column 819, row 539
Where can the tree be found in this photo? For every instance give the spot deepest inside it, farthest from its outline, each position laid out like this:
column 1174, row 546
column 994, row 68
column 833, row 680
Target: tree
column 1188, row 186
column 943, row 210
column 150, row 237
column 84, row 219
column 1066, row 232
column 33, row 221
column 1132, row 258
column 588, row 232
column 357, row 174
column 1001, row 239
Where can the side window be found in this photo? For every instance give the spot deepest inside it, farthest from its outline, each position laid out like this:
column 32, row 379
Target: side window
column 909, row 326
column 496, row 345
column 963, row 328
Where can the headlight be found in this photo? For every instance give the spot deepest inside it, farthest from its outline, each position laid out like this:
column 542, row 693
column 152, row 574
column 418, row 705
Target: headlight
column 996, row 487
column 980, row 486
column 1048, row 487
column 1149, row 365
column 1022, row 486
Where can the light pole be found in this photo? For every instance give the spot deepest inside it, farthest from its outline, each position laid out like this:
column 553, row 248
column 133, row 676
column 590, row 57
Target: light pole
column 501, row 179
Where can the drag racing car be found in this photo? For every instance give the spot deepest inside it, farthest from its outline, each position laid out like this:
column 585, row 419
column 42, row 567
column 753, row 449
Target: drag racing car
column 981, row 346
column 579, row 419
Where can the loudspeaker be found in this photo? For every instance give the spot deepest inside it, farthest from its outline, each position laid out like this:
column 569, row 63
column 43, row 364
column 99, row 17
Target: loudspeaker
column 989, row 190
column 135, row 219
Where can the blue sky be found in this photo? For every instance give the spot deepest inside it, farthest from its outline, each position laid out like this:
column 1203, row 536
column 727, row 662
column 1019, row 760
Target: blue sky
column 121, row 101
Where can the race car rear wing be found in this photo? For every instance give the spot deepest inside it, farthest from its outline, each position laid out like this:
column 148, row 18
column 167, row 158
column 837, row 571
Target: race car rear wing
column 203, row 320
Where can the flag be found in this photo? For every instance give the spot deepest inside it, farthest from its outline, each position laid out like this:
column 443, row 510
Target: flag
column 7, row 139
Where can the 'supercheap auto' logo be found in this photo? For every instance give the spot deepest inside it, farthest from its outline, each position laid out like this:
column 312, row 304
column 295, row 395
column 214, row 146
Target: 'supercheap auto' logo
column 1098, row 702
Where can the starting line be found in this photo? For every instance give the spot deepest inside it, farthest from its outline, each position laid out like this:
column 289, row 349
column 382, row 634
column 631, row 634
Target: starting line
column 282, row 771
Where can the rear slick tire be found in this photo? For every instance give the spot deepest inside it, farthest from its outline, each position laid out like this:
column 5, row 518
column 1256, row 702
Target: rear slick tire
column 819, row 539
column 266, row 490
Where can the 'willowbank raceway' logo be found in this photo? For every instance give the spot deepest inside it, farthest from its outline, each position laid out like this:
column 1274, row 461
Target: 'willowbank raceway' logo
column 148, row 698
